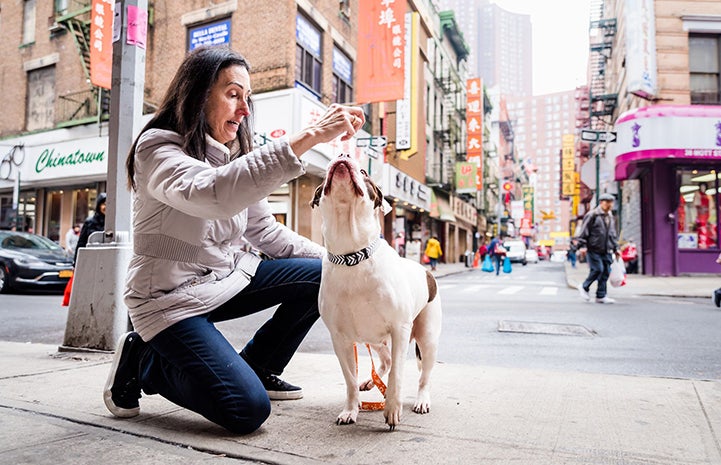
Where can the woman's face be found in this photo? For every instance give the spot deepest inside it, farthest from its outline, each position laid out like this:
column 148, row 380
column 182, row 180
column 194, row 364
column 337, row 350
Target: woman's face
column 227, row 104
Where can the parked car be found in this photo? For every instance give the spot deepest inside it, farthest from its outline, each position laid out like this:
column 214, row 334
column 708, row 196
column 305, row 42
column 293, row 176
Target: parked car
column 558, row 256
column 516, row 251
column 531, row 256
column 32, row 261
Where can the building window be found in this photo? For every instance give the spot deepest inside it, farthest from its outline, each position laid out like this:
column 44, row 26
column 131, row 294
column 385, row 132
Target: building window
column 40, row 112
column 703, row 59
column 342, row 77
column 697, row 212
column 308, row 56
column 28, row 22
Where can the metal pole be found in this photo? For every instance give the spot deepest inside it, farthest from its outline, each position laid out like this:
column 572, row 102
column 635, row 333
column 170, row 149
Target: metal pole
column 97, row 315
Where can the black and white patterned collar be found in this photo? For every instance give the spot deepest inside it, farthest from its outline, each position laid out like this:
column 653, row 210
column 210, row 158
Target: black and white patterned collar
column 354, row 258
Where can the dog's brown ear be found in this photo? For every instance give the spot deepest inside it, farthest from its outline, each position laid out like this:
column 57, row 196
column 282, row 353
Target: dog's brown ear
column 374, row 192
column 316, row 197
column 379, row 196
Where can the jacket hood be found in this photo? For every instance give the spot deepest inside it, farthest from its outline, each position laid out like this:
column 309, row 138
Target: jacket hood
column 102, row 198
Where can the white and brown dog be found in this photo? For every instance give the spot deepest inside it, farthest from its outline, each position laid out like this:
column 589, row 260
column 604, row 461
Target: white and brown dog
column 369, row 294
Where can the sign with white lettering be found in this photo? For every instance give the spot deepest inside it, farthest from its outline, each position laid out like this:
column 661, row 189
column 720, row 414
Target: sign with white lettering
column 215, row 33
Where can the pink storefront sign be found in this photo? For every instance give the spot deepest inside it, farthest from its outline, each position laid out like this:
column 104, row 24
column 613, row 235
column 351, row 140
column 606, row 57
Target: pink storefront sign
column 691, row 132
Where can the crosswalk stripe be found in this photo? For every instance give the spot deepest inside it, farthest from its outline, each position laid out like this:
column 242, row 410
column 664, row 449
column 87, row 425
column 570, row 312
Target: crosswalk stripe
column 510, row 290
column 549, row 291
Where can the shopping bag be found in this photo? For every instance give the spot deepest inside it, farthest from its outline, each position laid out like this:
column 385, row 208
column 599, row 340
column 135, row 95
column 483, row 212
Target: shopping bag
column 487, row 265
column 507, row 265
column 617, row 277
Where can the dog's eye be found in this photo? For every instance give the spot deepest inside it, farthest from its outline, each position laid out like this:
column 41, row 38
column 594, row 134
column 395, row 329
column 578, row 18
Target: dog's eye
column 363, row 172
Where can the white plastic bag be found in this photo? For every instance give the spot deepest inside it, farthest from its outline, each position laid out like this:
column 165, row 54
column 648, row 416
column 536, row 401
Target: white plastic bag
column 617, row 278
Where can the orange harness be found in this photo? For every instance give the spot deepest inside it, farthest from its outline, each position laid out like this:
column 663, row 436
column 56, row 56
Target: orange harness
column 377, row 381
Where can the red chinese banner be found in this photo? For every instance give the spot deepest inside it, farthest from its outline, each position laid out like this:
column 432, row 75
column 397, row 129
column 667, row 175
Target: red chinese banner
column 101, row 43
column 474, row 126
column 381, row 67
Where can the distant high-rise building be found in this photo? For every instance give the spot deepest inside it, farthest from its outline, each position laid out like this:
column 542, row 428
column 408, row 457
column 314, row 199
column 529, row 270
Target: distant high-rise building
column 500, row 44
column 539, row 124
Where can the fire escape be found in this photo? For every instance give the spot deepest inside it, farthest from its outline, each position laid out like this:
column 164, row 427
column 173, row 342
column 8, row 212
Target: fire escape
column 596, row 108
column 87, row 104
column 601, row 104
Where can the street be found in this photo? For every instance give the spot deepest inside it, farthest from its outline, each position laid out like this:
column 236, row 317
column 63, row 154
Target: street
column 526, row 319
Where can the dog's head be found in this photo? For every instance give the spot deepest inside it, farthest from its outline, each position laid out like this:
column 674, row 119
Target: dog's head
column 348, row 198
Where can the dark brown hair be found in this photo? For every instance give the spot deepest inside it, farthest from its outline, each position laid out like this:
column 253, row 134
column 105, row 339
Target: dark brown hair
column 183, row 107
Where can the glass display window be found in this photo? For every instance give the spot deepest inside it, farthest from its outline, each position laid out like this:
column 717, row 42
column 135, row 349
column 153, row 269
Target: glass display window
column 697, row 214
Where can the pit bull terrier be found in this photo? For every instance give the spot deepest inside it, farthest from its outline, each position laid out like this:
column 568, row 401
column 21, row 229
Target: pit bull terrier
column 369, row 294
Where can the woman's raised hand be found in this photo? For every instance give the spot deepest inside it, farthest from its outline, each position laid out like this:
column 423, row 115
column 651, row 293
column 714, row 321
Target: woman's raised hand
column 338, row 120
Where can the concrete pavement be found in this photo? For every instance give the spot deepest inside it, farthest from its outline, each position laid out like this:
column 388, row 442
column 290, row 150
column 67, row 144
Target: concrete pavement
column 51, row 412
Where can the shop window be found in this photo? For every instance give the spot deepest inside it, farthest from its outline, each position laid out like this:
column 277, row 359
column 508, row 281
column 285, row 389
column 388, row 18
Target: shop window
column 308, row 56
column 342, row 77
column 703, row 58
column 53, row 212
column 24, row 219
column 697, row 213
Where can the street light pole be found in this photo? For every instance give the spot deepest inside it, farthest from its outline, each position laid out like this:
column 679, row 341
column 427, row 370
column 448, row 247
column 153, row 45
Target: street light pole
column 97, row 315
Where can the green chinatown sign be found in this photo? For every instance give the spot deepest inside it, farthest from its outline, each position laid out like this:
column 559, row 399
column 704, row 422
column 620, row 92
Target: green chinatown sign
column 48, row 159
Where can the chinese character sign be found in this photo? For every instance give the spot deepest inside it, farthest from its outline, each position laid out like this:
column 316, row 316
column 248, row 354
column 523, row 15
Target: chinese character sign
column 474, row 126
column 381, row 57
column 101, row 45
column 466, row 177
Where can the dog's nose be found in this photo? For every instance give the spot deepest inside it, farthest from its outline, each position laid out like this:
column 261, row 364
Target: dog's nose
column 344, row 155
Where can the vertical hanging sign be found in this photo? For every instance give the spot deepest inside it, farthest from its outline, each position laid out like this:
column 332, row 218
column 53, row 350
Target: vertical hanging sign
column 380, row 58
column 407, row 108
column 474, row 127
column 101, row 47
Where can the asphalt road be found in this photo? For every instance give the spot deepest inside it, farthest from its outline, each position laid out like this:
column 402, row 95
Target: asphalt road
column 527, row 319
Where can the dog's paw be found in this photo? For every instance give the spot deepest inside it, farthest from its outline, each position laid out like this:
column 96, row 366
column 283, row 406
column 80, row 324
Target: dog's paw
column 422, row 406
column 392, row 414
column 347, row 417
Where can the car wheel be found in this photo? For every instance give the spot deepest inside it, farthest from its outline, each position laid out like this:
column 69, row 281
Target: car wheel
column 4, row 280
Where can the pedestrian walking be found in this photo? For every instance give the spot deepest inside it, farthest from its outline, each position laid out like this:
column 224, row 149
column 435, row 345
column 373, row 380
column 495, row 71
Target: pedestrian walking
column 71, row 239
column 433, row 251
column 199, row 186
column 497, row 253
column 572, row 249
column 598, row 234
column 93, row 224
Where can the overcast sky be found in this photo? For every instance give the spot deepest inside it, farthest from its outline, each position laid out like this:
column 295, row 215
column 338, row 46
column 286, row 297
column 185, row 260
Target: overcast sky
column 560, row 41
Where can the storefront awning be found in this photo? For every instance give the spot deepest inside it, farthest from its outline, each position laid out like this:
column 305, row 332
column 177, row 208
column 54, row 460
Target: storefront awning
column 441, row 208
column 682, row 132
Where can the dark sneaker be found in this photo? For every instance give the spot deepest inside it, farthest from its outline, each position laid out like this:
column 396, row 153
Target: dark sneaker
column 717, row 297
column 278, row 389
column 122, row 390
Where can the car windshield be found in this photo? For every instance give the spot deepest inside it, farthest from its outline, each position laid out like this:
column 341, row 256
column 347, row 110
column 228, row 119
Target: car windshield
column 13, row 240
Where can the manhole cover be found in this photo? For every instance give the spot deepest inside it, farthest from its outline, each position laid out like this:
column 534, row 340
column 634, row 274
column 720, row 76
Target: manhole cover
column 543, row 328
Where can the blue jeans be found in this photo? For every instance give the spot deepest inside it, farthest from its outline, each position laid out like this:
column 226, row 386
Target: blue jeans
column 600, row 265
column 194, row 366
column 499, row 262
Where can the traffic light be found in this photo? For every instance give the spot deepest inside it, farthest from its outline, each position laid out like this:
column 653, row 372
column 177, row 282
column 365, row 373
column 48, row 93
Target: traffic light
column 507, row 186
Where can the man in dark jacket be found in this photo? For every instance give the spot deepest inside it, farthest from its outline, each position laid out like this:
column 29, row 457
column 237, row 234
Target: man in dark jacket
column 598, row 234
column 92, row 224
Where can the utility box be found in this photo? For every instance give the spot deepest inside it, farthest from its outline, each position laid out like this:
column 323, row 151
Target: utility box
column 97, row 316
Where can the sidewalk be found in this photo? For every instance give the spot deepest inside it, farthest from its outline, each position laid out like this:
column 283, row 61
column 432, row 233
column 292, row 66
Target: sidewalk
column 637, row 284
column 51, row 412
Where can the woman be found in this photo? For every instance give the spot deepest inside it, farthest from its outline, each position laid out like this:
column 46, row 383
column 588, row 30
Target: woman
column 199, row 187
column 433, row 251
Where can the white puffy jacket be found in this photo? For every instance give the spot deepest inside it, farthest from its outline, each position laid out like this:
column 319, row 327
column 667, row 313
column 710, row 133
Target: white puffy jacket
column 187, row 215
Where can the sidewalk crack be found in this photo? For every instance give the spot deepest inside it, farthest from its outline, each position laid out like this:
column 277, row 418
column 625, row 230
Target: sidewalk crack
column 708, row 420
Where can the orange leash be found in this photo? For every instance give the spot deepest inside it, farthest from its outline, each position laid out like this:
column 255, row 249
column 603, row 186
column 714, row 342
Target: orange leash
column 377, row 381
